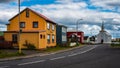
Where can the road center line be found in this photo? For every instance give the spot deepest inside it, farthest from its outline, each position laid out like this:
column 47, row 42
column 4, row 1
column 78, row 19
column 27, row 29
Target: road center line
column 4, row 66
column 87, row 50
column 73, row 54
column 3, row 62
column 58, row 58
column 32, row 62
column 82, row 52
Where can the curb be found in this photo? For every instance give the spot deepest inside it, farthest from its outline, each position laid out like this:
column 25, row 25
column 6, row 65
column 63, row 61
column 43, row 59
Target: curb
column 39, row 54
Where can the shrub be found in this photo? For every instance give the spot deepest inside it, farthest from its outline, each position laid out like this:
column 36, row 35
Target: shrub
column 29, row 45
column 77, row 44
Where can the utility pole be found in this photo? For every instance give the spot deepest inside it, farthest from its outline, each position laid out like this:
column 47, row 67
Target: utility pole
column 19, row 44
column 77, row 29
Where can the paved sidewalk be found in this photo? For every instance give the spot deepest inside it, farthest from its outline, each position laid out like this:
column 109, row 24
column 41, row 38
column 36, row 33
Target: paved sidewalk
column 34, row 53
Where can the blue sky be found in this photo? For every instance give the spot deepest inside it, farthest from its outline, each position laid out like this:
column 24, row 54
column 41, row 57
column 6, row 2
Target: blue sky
column 67, row 12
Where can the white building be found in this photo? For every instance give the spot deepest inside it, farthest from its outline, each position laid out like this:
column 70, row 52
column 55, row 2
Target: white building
column 103, row 36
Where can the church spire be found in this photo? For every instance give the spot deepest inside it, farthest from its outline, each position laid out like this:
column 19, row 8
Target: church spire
column 102, row 27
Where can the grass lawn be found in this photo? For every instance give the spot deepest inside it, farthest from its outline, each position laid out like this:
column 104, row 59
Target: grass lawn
column 115, row 45
column 58, row 48
column 4, row 54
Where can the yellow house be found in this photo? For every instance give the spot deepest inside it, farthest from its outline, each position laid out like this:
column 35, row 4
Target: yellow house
column 36, row 29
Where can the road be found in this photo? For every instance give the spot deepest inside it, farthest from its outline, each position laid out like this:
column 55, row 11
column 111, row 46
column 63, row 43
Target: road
column 90, row 56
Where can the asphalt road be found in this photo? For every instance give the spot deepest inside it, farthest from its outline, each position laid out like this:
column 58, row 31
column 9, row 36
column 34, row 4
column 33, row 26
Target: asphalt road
column 90, row 56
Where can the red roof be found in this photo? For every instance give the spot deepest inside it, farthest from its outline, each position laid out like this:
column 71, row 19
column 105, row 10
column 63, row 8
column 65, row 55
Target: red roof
column 44, row 17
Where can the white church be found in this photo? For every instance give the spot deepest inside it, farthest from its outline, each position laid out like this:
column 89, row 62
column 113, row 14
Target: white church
column 103, row 36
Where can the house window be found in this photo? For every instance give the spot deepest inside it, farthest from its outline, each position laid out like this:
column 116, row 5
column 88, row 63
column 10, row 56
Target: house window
column 48, row 25
column 27, row 13
column 35, row 24
column 48, row 38
column 41, row 36
column 53, row 27
column 22, row 24
column 14, row 38
column 53, row 38
column 44, row 36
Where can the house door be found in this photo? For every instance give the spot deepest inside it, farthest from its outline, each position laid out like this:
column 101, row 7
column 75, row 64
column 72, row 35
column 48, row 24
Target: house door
column 102, row 41
column 14, row 38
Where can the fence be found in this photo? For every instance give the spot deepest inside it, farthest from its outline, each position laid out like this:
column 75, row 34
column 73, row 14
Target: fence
column 5, row 44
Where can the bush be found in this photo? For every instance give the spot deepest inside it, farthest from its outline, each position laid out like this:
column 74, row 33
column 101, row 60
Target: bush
column 77, row 44
column 29, row 45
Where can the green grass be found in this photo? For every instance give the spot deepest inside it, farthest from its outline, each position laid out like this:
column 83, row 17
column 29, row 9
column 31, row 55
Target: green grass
column 58, row 48
column 115, row 45
column 4, row 54
column 1, row 33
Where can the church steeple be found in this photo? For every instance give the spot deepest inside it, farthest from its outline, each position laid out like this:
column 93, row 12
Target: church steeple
column 102, row 27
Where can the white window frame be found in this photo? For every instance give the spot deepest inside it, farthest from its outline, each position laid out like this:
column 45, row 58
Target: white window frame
column 22, row 24
column 48, row 38
column 53, row 27
column 53, row 38
column 35, row 24
column 48, row 25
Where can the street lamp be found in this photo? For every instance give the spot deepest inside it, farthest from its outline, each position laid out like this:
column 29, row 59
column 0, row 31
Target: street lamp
column 77, row 28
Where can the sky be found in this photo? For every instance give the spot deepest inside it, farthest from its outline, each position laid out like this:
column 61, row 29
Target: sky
column 88, row 13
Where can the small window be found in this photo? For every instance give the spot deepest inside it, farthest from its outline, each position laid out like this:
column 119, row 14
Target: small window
column 48, row 38
column 53, row 38
column 35, row 24
column 41, row 36
column 48, row 25
column 53, row 27
column 22, row 24
column 44, row 36
column 27, row 13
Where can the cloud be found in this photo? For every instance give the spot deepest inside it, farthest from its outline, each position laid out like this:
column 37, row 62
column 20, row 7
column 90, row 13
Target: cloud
column 68, row 1
column 64, row 1
column 6, row 1
column 6, row 13
column 2, row 27
column 68, row 12
column 106, row 4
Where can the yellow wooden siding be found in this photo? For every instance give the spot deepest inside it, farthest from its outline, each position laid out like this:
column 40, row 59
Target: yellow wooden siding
column 32, row 37
column 8, row 37
column 28, row 22
column 42, row 41
column 51, row 32
column 8, row 27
